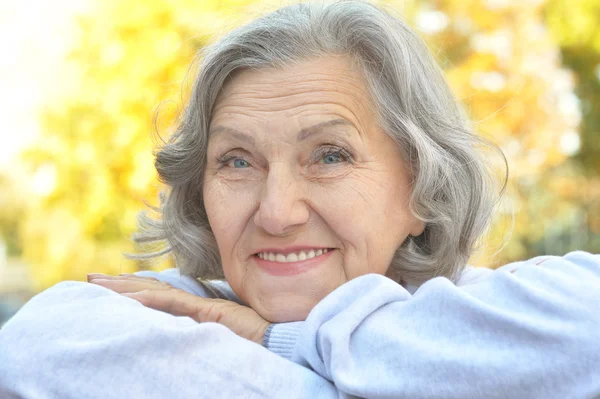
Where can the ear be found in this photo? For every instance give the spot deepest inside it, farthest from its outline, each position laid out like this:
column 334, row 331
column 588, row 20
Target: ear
column 417, row 228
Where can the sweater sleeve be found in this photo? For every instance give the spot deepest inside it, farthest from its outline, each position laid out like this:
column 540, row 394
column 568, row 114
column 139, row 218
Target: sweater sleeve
column 530, row 331
column 79, row 340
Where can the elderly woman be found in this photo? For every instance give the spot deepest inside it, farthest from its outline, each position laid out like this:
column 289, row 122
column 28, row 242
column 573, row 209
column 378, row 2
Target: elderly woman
column 325, row 195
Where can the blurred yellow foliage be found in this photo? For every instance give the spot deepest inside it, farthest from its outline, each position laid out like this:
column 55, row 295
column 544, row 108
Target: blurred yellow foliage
column 131, row 61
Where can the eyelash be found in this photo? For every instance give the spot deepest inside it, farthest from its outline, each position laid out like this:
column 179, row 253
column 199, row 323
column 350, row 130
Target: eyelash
column 322, row 152
column 223, row 160
column 330, row 149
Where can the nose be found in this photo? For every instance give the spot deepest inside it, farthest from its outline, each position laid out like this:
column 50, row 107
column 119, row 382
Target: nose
column 282, row 208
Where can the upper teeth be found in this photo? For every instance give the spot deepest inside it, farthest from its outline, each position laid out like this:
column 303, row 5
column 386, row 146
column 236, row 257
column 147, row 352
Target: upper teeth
column 292, row 257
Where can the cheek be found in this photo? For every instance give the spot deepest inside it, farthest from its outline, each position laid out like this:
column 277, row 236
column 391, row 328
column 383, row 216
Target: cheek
column 369, row 216
column 226, row 209
column 361, row 205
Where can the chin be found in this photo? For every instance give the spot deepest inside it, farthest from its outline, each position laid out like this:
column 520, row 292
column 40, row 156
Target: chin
column 284, row 314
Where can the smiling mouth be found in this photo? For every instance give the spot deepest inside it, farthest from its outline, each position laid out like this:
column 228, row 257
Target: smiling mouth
column 293, row 256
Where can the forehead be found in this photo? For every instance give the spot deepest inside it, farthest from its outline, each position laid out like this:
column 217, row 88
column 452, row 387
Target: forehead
column 331, row 84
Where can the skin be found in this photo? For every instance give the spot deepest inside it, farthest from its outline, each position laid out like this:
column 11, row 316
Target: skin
column 150, row 292
column 242, row 320
column 273, row 191
column 344, row 186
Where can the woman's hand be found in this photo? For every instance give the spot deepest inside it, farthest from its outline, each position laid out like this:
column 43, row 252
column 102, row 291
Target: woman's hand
column 150, row 292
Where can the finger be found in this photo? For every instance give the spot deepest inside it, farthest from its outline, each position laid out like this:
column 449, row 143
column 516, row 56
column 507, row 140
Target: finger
column 131, row 285
column 92, row 276
column 175, row 302
column 136, row 276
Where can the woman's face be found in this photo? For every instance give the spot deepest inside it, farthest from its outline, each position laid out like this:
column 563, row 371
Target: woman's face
column 303, row 190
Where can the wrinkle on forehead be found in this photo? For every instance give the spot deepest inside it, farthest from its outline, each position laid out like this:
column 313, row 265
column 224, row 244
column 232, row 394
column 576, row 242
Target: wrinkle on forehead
column 331, row 80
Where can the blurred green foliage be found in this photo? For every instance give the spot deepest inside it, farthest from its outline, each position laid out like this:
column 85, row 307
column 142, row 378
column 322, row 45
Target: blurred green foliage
column 505, row 60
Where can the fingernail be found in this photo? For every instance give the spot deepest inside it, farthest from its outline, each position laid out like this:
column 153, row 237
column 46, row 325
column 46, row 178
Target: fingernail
column 91, row 276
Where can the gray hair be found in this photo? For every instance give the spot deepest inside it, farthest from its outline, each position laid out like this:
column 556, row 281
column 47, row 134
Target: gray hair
column 454, row 188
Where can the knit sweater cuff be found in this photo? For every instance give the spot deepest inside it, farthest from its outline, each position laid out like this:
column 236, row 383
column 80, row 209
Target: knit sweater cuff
column 281, row 338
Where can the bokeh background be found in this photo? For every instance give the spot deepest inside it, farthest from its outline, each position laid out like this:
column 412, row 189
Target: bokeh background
column 86, row 84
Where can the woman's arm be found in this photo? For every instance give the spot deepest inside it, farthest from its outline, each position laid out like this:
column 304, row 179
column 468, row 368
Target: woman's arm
column 79, row 340
column 534, row 333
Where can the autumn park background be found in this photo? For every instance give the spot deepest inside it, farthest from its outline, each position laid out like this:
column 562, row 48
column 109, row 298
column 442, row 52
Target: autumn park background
column 86, row 84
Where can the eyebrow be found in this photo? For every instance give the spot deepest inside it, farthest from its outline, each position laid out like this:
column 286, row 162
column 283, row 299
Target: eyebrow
column 314, row 129
column 302, row 134
column 232, row 132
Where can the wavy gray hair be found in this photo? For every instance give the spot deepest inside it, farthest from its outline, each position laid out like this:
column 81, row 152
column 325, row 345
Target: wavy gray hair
column 454, row 188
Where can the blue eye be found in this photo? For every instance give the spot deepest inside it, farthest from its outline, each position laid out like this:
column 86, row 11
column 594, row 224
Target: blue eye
column 331, row 158
column 240, row 163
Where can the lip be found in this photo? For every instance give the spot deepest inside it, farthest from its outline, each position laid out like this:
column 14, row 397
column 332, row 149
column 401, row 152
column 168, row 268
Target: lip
column 291, row 268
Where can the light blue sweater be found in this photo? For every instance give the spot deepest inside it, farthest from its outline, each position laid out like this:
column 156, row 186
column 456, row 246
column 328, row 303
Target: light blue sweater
column 534, row 333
